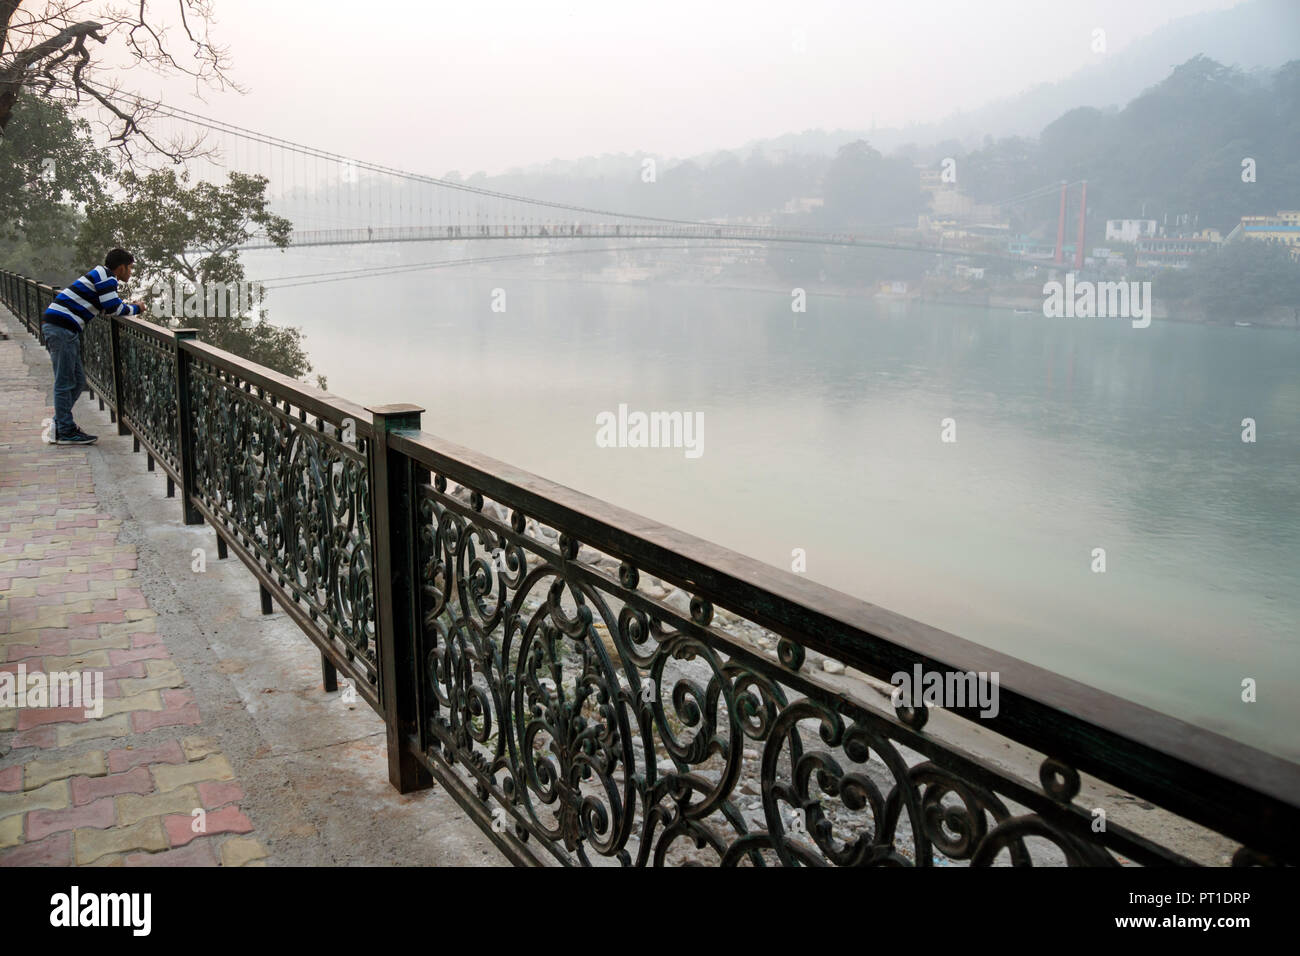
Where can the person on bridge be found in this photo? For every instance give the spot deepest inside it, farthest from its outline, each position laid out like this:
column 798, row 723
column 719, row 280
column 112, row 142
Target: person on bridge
column 61, row 326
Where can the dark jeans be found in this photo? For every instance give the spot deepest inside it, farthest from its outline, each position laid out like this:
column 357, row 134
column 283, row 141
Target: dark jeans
column 69, row 377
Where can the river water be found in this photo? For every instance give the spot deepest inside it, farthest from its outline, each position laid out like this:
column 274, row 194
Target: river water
column 823, row 432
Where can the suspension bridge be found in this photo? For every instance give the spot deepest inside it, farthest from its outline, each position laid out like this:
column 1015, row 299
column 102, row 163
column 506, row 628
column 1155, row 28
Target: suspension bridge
column 338, row 200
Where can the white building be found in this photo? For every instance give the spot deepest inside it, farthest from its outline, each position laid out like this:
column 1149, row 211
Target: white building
column 1129, row 230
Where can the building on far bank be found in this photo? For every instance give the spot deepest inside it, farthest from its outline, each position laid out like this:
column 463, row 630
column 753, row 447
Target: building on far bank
column 947, row 202
column 1105, row 258
column 1284, row 229
column 1173, row 252
column 951, row 203
column 1284, row 217
column 1033, row 248
column 1130, row 230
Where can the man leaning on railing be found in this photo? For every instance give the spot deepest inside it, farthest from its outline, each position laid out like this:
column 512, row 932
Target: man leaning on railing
column 61, row 327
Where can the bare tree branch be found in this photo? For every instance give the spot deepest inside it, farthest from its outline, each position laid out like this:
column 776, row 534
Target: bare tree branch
column 47, row 51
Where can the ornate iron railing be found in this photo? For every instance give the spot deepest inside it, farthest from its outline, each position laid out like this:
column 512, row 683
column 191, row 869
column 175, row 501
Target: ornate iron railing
column 288, row 477
column 147, row 360
column 593, row 687
column 97, row 355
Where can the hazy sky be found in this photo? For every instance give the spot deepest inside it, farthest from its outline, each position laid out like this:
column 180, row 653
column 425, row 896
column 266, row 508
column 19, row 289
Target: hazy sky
column 433, row 86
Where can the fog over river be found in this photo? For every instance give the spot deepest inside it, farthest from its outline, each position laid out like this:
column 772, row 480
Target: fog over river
column 822, row 431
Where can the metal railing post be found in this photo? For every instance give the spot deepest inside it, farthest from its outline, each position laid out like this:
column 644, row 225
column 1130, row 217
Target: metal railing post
column 393, row 485
column 185, row 429
column 115, row 362
column 81, row 347
column 39, row 310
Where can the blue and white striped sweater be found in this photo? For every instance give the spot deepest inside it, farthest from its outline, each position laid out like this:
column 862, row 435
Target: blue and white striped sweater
column 80, row 302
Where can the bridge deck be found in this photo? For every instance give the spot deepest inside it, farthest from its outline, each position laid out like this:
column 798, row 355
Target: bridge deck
column 578, row 232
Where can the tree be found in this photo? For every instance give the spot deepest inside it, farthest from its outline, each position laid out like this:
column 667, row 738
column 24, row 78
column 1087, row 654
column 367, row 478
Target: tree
column 49, row 168
column 192, row 233
column 865, row 190
column 1240, row 279
column 45, row 48
column 1001, row 170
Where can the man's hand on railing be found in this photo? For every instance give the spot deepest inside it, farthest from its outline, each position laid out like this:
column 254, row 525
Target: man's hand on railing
column 141, row 306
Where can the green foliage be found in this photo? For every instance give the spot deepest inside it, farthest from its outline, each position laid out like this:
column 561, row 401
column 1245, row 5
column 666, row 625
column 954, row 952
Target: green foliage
column 864, row 190
column 1176, row 150
column 1001, row 169
column 1241, row 279
column 49, row 167
column 192, row 232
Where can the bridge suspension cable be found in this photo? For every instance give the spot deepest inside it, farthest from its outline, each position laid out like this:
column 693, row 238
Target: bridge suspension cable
column 462, row 211
column 1041, row 192
column 162, row 109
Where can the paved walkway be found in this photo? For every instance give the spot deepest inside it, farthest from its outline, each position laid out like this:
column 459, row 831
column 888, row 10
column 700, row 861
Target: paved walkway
column 210, row 704
column 140, row 785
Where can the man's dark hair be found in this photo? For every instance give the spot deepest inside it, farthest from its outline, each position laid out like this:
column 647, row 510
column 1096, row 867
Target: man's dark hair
column 117, row 257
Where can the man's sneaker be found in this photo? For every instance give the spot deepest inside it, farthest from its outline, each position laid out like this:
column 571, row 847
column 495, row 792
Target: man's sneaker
column 77, row 437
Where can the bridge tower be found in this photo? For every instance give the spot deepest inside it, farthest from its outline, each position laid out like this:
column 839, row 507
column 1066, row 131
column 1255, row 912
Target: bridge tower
column 1060, row 229
column 1083, row 221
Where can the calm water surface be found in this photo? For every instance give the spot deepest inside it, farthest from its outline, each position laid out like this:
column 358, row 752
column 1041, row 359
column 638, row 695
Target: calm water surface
column 822, row 432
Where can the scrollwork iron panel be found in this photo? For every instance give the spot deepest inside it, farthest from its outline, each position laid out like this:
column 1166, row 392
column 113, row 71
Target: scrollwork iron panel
column 149, row 391
column 97, row 357
column 297, row 494
column 615, row 723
